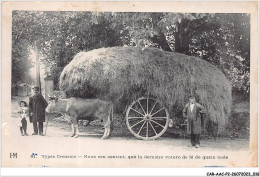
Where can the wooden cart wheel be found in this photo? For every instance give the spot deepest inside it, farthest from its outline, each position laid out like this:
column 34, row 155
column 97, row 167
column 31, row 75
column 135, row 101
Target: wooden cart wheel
column 146, row 118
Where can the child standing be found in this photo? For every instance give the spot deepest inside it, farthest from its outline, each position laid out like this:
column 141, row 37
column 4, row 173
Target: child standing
column 23, row 114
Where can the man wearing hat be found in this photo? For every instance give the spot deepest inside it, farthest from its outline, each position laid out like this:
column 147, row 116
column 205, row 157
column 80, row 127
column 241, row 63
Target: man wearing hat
column 192, row 112
column 37, row 105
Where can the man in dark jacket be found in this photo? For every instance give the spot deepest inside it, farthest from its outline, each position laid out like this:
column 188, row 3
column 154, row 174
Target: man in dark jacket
column 192, row 112
column 37, row 105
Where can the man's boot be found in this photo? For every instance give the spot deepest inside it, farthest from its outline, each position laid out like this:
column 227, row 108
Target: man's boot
column 21, row 130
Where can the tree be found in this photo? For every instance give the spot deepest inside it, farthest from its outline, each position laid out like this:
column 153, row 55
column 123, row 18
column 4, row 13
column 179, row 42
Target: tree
column 224, row 42
column 58, row 36
column 20, row 54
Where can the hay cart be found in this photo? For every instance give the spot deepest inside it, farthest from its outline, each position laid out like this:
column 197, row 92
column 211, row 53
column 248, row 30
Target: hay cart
column 151, row 82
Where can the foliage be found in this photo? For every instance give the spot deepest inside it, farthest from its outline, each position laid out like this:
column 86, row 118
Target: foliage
column 239, row 122
column 20, row 55
column 58, row 36
column 20, row 64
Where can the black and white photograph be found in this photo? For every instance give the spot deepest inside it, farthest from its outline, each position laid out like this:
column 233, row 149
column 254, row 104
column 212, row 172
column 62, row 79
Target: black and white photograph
column 137, row 88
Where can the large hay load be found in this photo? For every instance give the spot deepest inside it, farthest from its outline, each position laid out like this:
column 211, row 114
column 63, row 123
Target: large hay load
column 147, row 81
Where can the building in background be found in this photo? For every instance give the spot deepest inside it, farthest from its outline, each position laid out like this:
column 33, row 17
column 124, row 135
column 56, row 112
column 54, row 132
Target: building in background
column 22, row 90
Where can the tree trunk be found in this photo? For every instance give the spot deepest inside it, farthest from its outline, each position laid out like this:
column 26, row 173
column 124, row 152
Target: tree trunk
column 181, row 39
column 38, row 76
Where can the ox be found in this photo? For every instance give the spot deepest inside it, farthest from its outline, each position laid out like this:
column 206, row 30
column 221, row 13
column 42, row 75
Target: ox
column 83, row 109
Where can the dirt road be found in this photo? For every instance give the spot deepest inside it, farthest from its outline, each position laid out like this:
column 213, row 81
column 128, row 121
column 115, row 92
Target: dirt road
column 122, row 143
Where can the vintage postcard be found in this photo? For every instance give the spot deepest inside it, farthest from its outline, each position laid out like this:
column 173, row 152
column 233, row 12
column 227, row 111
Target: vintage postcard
column 129, row 84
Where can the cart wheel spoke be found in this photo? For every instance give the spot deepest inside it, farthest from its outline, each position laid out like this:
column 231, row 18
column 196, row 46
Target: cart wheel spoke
column 137, row 111
column 141, row 106
column 140, row 129
column 153, row 128
column 153, row 107
column 147, row 106
column 157, row 123
column 159, row 117
column 158, row 111
column 135, row 117
column 146, row 129
column 137, row 123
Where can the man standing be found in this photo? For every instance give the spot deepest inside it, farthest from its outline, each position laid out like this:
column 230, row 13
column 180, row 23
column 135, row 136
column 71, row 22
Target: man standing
column 192, row 113
column 37, row 105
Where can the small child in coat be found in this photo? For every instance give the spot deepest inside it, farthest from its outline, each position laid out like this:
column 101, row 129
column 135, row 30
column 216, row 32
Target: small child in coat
column 23, row 114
